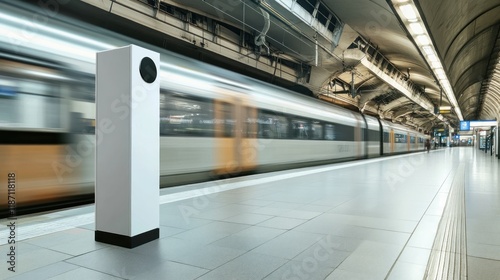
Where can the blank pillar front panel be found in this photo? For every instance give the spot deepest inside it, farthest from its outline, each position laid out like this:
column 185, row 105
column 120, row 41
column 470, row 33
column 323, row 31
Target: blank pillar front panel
column 127, row 146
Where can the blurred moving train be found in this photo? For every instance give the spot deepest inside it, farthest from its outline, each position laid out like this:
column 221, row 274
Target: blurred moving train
column 212, row 121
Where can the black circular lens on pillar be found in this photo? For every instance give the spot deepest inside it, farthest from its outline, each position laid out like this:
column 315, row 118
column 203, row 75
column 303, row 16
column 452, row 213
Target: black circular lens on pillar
column 148, row 70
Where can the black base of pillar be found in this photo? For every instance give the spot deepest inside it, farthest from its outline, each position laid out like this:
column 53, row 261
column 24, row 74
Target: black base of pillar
column 127, row 241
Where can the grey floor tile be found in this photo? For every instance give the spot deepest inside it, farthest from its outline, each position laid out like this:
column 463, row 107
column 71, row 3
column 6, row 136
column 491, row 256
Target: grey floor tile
column 45, row 272
column 481, row 269
column 315, row 208
column 261, row 232
column 415, row 255
column 74, row 242
column 269, row 211
column 211, row 232
column 483, row 251
column 341, row 274
column 208, row 257
column 373, row 258
column 300, row 214
column 356, row 232
column 239, row 242
column 437, row 206
column 478, row 235
column 116, row 262
column 282, row 223
column 167, row 248
column 285, row 205
column 169, row 231
column 364, row 221
column 90, row 226
column 196, row 204
column 227, row 211
column 170, row 271
column 257, row 202
column 288, row 245
column 248, row 266
column 484, row 224
column 184, row 221
column 29, row 257
column 423, row 236
column 248, row 218
column 307, row 269
column 407, row 271
column 334, row 200
column 187, row 252
column 84, row 274
column 327, row 252
column 249, row 238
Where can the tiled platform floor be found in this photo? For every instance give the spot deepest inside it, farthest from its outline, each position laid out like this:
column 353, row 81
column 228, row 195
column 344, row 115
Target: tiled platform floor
column 371, row 219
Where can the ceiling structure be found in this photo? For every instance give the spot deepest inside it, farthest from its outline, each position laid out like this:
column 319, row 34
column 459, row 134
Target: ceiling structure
column 358, row 53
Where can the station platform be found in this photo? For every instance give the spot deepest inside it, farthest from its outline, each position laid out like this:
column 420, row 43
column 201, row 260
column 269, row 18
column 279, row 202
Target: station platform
column 417, row 216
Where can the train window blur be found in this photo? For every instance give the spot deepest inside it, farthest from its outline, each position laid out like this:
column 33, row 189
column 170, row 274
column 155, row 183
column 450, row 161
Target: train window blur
column 183, row 115
column 8, row 102
column 412, row 139
column 322, row 14
column 344, row 132
column 30, row 104
column 400, row 138
column 317, row 130
column 329, row 132
column 308, row 5
column 373, row 135
column 83, row 89
column 250, row 123
column 386, row 137
column 300, row 129
column 271, row 125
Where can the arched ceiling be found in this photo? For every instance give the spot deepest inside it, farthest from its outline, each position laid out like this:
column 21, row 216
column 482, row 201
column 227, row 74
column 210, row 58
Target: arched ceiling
column 356, row 52
column 465, row 34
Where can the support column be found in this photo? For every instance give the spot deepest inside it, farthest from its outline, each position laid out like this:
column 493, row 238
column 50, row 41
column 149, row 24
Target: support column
column 127, row 146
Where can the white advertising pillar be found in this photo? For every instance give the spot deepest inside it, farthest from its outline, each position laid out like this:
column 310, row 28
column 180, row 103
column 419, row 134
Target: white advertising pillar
column 127, row 146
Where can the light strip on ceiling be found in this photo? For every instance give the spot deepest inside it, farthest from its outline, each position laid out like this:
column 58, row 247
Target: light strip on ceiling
column 412, row 20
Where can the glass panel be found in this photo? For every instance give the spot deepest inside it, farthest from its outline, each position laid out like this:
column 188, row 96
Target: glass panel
column 300, row 129
column 386, row 137
column 183, row 115
column 329, row 132
column 317, row 130
column 322, row 14
column 271, row 125
column 400, row 138
column 308, row 5
column 250, row 123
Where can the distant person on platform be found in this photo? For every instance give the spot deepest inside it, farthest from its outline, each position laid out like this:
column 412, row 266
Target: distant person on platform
column 428, row 145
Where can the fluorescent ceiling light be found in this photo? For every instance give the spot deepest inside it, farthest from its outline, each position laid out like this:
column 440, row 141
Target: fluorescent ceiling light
column 436, row 64
column 428, row 50
column 423, row 40
column 408, row 12
column 416, row 27
column 440, row 73
column 432, row 58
